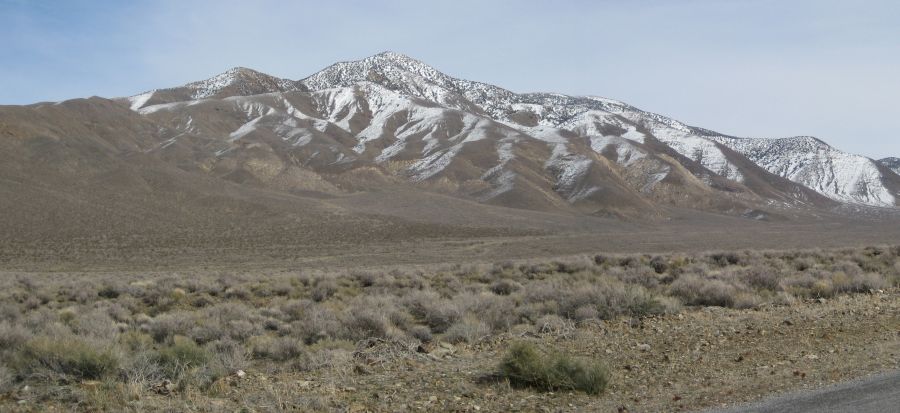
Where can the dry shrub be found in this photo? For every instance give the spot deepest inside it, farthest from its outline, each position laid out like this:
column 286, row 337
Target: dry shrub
column 694, row 290
column 325, row 288
column 97, row 324
column 609, row 297
column 421, row 333
column 643, row 276
column 724, row 259
column 182, row 354
column 431, row 309
column 363, row 323
column 659, row 264
column 328, row 354
column 497, row 312
column 860, row 283
column 745, row 300
column 7, row 380
column 165, row 326
column 277, row 348
column 572, row 266
column 553, row 325
column 761, row 277
column 505, row 287
column 585, row 313
column 317, row 323
column 228, row 354
column 468, row 330
column 12, row 336
column 142, row 369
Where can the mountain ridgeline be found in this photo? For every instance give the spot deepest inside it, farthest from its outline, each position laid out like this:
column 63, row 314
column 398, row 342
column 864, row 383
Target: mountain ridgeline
column 390, row 124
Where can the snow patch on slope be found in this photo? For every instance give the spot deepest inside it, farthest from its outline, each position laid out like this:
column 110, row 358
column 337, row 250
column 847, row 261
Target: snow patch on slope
column 811, row 162
column 891, row 163
column 570, row 170
column 626, row 153
column 501, row 179
column 138, row 101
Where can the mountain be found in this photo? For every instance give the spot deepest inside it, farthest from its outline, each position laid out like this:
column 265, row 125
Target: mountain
column 399, row 118
column 809, row 161
column 891, row 163
column 238, row 81
column 838, row 175
column 388, row 146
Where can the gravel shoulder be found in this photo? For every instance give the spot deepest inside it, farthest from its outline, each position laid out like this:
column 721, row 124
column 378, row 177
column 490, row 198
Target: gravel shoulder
column 879, row 393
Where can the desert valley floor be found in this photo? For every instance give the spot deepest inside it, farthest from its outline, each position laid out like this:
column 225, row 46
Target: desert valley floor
column 421, row 323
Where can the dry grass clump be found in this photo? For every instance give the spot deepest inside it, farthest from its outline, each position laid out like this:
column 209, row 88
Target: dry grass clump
column 135, row 331
column 468, row 330
column 525, row 366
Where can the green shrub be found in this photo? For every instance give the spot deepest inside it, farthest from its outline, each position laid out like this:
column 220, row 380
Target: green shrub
column 182, row 354
column 67, row 357
column 525, row 366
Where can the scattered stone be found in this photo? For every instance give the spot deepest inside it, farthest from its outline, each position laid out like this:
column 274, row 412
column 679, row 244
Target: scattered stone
column 164, row 387
column 443, row 350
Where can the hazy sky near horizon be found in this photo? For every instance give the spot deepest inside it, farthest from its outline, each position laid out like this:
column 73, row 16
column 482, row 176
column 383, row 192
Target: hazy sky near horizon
column 748, row 68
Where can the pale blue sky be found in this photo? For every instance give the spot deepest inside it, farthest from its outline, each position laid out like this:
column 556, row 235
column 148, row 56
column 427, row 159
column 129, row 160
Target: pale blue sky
column 747, row 68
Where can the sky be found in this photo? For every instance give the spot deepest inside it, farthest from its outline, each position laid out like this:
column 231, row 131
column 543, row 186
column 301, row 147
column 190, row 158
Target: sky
column 759, row 68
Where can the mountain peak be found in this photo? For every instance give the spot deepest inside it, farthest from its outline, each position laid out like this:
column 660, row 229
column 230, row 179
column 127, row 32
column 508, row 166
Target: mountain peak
column 243, row 71
column 392, row 55
column 239, row 81
column 385, row 67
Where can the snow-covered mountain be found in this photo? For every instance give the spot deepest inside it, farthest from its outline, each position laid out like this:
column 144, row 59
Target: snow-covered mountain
column 238, row 81
column 891, row 163
column 811, row 162
column 835, row 174
column 401, row 120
